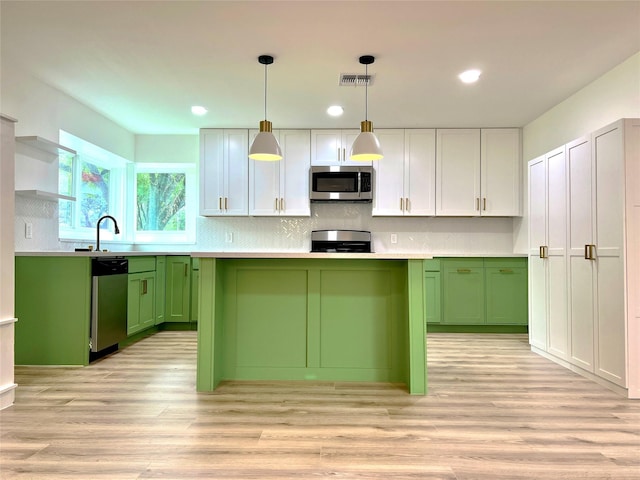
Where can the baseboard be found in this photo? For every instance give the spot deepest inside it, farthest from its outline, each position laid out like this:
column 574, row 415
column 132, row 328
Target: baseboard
column 442, row 328
column 583, row 373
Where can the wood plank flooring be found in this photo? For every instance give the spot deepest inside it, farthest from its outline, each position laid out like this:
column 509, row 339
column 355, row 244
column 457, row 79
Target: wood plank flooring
column 494, row 411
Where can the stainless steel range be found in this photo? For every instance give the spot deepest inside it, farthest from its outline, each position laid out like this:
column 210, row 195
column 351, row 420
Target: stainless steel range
column 343, row 241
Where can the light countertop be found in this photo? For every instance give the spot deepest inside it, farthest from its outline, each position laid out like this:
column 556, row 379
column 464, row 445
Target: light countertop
column 281, row 254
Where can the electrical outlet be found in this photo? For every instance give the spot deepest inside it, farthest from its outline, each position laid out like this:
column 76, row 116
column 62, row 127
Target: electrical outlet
column 229, row 237
column 28, row 230
column 394, row 238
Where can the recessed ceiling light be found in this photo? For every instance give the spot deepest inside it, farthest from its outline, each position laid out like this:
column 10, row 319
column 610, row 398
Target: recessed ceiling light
column 335, row 110
column 470, row 76
column 198, row 110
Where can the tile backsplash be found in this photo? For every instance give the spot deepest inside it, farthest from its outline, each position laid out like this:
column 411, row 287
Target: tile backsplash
column 437, row 235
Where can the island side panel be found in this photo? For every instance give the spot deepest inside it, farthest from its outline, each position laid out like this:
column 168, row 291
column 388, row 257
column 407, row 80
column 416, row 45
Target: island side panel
column 417, row 381
column 206, row 379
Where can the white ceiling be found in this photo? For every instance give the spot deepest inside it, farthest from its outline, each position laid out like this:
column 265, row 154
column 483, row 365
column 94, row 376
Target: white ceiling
column 143, row 64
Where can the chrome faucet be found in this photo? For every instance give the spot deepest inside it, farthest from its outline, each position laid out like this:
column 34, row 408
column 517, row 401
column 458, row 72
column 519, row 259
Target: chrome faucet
column 115, row 224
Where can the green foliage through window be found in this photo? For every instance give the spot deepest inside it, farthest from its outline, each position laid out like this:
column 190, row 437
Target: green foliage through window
column 160, row 201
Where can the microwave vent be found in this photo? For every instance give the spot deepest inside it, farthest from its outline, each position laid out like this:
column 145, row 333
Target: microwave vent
column 355, row 80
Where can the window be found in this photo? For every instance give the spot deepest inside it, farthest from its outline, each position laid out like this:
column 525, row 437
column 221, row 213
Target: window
column 163, row 209
column 164, row 203
column 97, row 179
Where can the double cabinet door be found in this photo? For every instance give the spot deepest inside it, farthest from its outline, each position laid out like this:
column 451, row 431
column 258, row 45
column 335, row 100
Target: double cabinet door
column 282, row 187
column 478, row 172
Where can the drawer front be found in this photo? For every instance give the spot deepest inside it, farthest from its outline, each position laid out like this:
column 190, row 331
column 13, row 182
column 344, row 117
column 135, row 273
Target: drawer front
column 142, row 264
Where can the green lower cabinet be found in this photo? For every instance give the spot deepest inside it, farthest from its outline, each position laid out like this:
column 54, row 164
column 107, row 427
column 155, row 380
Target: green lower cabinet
column 477, row 295
column 463, row 292
column 432, row 291
column 161, row 268
column 141, row 302
column 506, row 295
column 178, row 289
column 53, row 307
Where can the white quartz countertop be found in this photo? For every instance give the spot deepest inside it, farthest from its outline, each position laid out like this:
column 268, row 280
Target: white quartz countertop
column 284, row 254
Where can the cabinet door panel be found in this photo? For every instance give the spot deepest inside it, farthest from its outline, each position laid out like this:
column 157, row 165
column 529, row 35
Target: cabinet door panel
column 537, row 302
column 500, row 172
column 211, row 171
column 420, row 176
column 580, row 233
column 271, row 318
column 178, row 289
column 264, row 184
column 237, row 172
column 458, row 172
column 609, row 239
column 389, row 175
column 147, row 300
column 326, row 147
column 463, row 295
column 294, row 172
column 506, row 296
column 432, row 297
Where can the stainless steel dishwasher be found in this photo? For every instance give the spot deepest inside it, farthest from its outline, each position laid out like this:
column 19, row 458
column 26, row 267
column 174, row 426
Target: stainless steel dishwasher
column 108, row 303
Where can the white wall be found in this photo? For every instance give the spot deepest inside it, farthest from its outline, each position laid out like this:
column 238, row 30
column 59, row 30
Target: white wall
column 167, row 148
column 614, row 95
column 43, row 111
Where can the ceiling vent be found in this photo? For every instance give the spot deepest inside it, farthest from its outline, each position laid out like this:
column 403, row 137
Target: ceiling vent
column 355, row 80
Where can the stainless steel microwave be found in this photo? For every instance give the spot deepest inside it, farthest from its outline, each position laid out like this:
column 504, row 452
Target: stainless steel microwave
column 341, row 183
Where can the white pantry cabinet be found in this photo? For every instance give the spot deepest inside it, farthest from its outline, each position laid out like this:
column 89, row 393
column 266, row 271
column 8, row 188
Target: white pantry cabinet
column 601, row 327
column 478, row 172
column 332, row 147
column 548, row 328
column 404, row 180
column 224, row 172
column 282, row 188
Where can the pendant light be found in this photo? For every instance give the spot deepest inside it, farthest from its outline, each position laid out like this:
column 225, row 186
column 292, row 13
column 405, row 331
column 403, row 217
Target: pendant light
column 366, row 146
column 265, row 146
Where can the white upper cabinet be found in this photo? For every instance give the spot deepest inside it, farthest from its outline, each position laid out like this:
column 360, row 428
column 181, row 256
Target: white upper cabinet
column 478, row 172
column 404, row 180
column 224, row 172
column 332, row 147
column 500, row 166
column 458, row 172
column 282, row 187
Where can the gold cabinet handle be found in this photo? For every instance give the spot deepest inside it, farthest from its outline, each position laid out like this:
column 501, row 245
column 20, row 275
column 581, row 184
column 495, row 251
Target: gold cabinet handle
column 477, row 203
column 406, row 204
column 592, row 252
column 281, row 204
column 226, row 203
column 484, row 203
column 186, row 267
column 401, row 204
column 219, row 203
column 464, row 270
column 506, row 270
column 144, row 287
column 276, row 204
column 587, row 255
column 344, row 154
column 541, row 251
column 544, row 251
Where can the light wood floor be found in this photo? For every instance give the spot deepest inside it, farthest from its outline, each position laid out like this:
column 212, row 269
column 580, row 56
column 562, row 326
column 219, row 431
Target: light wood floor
column 494, row 411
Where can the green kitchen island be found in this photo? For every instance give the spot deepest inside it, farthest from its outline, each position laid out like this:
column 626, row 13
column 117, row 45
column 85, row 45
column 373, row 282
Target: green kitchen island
column 311, row 316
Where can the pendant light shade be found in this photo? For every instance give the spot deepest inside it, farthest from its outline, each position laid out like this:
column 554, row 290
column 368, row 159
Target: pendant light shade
column 265, row 146
column 366, row 146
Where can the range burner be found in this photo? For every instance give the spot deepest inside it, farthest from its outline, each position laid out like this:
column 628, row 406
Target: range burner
column 341, row 241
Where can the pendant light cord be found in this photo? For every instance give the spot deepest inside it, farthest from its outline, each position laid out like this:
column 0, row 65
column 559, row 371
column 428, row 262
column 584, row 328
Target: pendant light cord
column 366, row 92
column 265, row 91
